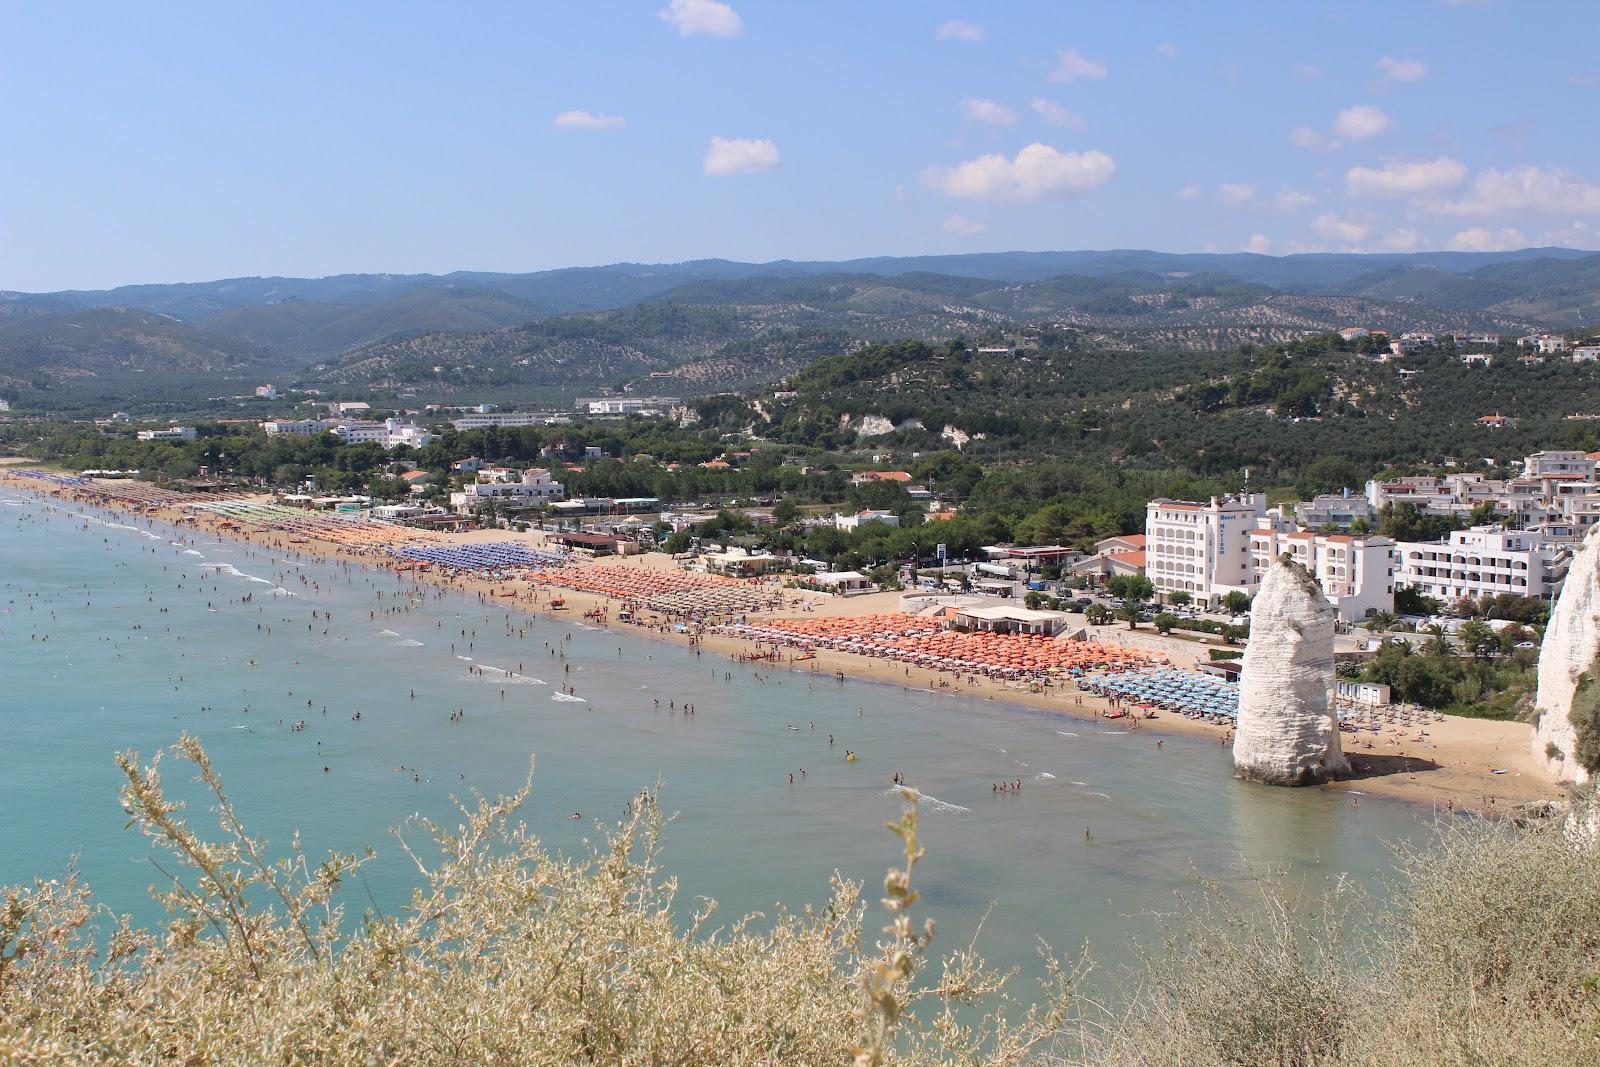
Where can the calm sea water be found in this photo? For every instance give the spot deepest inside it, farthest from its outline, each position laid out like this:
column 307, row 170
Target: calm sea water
column 148, row 638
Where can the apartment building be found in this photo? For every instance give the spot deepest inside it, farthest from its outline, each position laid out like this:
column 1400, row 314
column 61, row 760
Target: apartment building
column 508, row 420
column 1334, row 509
column 1484, row 559
column 1357, row 574
column 1558, row 461
column 298, row 427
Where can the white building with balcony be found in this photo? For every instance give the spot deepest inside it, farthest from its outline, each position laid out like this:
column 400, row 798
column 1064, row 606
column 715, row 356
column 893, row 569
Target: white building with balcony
column 1484, row 559
column 298, row 427
column 535, row 485
column 1357, row 574
column 1202, row 548
column 1560, row 461
column 173, row 433
column 390, row 433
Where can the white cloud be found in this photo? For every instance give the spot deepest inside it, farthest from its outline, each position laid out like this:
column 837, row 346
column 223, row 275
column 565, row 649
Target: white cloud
column 1055, row 114
column 962, row 226
column 1189, row 192
column 1259, row 243
column 1235, row 193
column 960, row 30
column 1072, row 64
column 589, row 120
column 740, row 155
column 1345, row 231
column 1360, row 123
column 702, row 16
column 1292, row 199
column 1310, row 138
column 1401, row 70
column 1405, row 179
column 1499, row 192
column 987, row 111
column 1036, row 172
column 1167, row 50
column 1479, row 239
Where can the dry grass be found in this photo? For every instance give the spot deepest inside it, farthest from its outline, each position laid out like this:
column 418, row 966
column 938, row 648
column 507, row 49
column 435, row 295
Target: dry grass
column 1488, row 953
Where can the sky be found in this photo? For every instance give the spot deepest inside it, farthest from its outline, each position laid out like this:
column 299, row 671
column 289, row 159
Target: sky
column 185, row 142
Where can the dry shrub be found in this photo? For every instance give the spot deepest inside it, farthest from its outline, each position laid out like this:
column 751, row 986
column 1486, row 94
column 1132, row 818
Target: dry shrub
column 1486, row 953
column 507, row 954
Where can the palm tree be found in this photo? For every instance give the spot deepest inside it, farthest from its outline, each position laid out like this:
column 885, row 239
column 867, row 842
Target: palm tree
column 1381, row 621
column 1438, row 644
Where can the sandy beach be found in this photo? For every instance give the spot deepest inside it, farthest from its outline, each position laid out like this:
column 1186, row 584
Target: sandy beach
column 1461, row 763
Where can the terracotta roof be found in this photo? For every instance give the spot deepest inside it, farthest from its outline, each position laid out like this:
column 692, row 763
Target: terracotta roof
column 1135, row 559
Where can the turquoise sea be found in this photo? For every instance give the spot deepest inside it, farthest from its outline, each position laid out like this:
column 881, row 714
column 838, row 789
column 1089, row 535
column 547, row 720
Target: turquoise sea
column 117, row 634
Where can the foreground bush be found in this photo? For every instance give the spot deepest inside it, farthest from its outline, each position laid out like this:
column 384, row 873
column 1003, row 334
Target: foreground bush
column 1487, row 953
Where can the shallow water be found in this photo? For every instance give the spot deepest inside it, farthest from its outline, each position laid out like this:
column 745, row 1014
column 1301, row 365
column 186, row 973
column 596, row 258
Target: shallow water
column 118, row 671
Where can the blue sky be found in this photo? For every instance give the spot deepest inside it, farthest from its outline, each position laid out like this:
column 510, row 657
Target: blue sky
column 173, row 142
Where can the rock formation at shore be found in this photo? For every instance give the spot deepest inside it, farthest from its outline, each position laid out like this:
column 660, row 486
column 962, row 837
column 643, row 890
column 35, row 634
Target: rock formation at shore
column 1288, row 731
column 1568, row 674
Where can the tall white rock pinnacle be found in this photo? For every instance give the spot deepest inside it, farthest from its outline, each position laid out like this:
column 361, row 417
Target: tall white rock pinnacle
column 1288, row 731
column 1571, row 643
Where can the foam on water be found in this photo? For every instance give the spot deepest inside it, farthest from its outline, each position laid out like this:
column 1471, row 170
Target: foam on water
column 232, row 571
column 567, row 698
column 513, row 678
column 1043, row 776
column 931, row 803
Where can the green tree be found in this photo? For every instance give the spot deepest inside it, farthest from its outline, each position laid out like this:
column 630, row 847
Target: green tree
column 1165, row 621
column 1478, row 639
column 1180, row 599
column 1236, row 602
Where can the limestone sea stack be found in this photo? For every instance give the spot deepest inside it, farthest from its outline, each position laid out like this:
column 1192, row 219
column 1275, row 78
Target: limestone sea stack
column 1288, row 732
column 1571, row 643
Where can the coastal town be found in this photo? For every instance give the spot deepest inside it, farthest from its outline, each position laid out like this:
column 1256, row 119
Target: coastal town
column 1151, row 626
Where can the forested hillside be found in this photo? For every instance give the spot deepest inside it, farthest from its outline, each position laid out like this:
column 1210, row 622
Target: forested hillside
column 1312, row 412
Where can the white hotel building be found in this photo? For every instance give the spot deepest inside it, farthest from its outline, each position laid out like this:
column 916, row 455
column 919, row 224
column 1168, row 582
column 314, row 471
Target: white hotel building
column 1202, row 549
column 1226, row 545
column 534, row 485
column 1484, row 559
column 391, row 433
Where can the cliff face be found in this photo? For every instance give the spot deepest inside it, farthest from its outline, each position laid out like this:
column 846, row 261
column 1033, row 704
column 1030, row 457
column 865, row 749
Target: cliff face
column 1571, row 643
column 1288, row 731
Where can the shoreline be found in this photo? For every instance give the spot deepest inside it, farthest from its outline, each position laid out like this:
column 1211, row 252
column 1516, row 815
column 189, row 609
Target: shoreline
column 1451, row 768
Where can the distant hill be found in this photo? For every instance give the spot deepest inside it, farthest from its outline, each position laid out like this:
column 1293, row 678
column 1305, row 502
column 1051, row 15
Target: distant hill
column 1556, row 291
column 574, row 329
column 314, row 329
column 562, row 353
column 597, row 288
column 92, row 341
